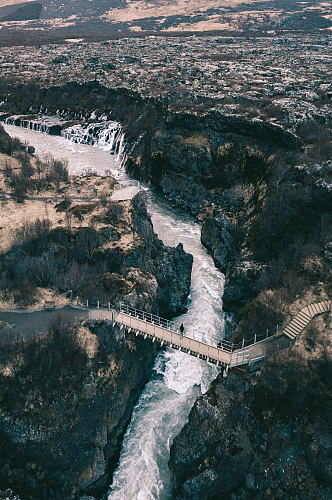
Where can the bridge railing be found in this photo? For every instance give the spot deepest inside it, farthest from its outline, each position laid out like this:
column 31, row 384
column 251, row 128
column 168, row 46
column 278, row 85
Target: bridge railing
column 145, row 316
column 259, row 337
column 224, row 345
column 240, row 358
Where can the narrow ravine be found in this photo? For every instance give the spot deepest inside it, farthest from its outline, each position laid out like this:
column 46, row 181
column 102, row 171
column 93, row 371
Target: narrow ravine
column 164, row 405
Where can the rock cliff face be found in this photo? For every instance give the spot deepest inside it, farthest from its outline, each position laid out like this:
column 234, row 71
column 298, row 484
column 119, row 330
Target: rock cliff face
column 267, row 435
column 62, row 443
column 67, row 397
column 231, row 447
column 170, row 266
column 175, row 151
column 241, row 285
column 210, row 456
column 216, row 236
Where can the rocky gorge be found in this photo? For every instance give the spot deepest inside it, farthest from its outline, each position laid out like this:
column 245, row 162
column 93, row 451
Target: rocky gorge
column 62, row 433
column 66, row 396
column 259, row 190
column 265, row 434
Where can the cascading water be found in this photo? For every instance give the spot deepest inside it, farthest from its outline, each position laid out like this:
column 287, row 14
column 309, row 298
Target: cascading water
column 45, row 124
column 106, row 134
column 177, row 379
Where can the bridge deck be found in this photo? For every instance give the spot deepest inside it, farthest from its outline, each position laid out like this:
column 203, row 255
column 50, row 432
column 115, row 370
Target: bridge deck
column 158, row 329
column 170, row 338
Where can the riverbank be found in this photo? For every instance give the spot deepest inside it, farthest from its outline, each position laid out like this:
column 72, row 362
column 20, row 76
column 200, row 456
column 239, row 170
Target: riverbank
column 67, row 394
column 177, row 378
column 254, row 226
column 66, row 406
column 265, row 434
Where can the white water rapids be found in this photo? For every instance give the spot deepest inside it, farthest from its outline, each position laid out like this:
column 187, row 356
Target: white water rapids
column 177, row 379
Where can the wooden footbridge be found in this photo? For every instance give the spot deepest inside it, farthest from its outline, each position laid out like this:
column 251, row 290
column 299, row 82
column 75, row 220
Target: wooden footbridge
column 226, row 354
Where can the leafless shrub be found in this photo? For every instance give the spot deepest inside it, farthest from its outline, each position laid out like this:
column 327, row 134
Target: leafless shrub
column 115, row 212
column 32, row 236
column 8, row 170
column 57, row 170
column 290, row 385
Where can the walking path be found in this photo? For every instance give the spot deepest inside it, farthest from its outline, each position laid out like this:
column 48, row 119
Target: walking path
column 226, row 354
column 158, row 329
column 301, row 320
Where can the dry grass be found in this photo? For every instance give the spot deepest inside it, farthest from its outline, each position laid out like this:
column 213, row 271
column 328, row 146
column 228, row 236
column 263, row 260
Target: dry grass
column 14, row 215
column 81, row 191
column 197, row 140
column 142, row 9
column 88, row 341
column 87, row 205
column 42, row 295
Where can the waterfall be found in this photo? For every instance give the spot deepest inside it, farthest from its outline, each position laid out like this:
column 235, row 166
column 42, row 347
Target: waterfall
column 176, row 379
column 44, row 124
column 10, row 120
column 108, row 135
column 120, row 147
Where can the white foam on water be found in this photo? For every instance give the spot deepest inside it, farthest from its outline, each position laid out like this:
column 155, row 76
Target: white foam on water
column 80, row 157
column 177, row 378
column 167, row 399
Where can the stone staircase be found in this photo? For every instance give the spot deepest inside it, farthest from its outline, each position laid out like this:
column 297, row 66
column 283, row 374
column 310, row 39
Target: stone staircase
column 301, row 320
column 226, row 354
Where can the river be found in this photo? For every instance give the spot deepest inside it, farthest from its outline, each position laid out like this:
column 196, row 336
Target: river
column 177, row 379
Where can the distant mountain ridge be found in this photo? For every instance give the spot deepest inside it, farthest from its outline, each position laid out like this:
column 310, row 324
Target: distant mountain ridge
column 21, row 11
column 99, row 19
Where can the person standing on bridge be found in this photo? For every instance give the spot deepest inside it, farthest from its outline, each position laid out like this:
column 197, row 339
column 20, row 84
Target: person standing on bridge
column 181, row 330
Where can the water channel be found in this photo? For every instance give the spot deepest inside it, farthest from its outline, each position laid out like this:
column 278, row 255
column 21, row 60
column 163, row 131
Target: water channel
column 177, row 379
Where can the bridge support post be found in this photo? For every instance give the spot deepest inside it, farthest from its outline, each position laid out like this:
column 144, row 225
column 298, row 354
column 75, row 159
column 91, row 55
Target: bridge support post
column 87, row 304
column 267, row 333
column 109, row 306
column 255, row 338
column 97, row 304
column 243, row 343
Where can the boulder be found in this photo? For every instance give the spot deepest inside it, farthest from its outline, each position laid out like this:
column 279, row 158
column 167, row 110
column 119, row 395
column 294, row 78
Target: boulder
column 217, row 237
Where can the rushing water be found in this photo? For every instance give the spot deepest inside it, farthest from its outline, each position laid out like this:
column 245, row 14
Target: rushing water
column 177, row 378
column 80, row 157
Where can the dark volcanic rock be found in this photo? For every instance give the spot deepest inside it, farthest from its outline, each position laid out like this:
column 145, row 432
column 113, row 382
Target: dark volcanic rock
column 318, row 178
column 213, row 444
column 65, row 409
column 225, row 452
column 216, row 236
column 241, row 285
column 8, row 495
column 171, row 266
column 71, row 444
column 264, row 434
column 175, row 151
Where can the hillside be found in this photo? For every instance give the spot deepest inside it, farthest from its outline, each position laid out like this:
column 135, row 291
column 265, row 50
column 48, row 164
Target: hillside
column 67, row 392
column 103, row 19
column 63, row 233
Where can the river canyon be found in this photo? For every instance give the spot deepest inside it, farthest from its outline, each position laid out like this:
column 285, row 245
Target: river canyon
column 177, row 379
